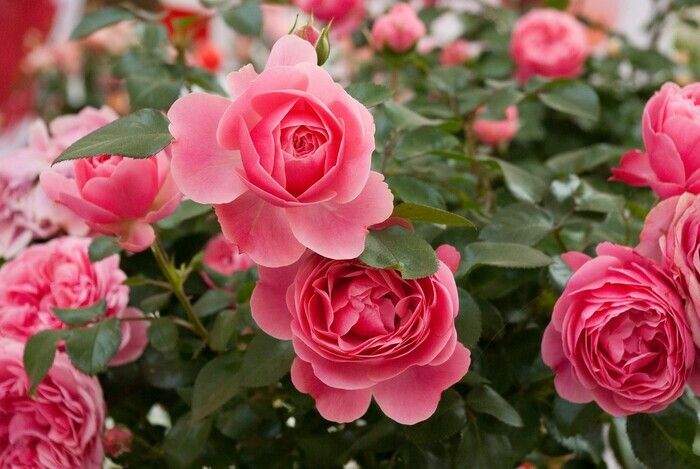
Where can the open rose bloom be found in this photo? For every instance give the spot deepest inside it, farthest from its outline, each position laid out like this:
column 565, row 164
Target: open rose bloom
column 398, row 30
column 548, row 43
column 363, row 333
column 59, row 274
column 497, row 131
column 619, row 334
column 286, row 162
column 60, row 427
column 670, row 164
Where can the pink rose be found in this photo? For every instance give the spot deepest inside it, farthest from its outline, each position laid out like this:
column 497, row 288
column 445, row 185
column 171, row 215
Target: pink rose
column 361, row 332
column 671, row 134
column 619, row 334
column 117, row 441
column 671, row 236
column 59, row 274
column 455, row 53
column 118, row 196
column 60, row 427
column 223, row 257
column 308, row 33
column 286, row 163
column 549, row 43
column 346, row 14
column 398, row 30
column 497, row 132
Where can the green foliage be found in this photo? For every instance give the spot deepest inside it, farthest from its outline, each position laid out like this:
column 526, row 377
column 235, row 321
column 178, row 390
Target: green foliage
column 399, row 249
column 245, row 18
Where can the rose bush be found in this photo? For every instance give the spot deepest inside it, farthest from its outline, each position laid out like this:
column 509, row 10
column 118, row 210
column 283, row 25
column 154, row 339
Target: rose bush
column 389, row 239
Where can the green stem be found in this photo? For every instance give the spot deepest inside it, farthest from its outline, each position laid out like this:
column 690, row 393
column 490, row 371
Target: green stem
column 175, row 282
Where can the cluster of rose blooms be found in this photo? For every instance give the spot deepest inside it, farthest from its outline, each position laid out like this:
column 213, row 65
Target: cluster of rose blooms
column 286, row 164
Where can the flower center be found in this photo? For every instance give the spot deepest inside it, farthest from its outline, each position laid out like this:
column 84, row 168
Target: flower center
column 302, row 141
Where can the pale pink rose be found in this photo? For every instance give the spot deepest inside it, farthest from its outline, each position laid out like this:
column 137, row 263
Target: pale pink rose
column 455, row 53
column 26, row 213
column 223, row 257
column 286, row 162
column 118, row 196
column 398, row 30
column 602, row 13
column 671, row 134
column 59, row 274
column 345, row 14
column 60, row 427
column 619, row 334
column 549, row 43
column 65, row 56
column 671, row 236
column 115, row 39
column 117, row 441
column 497, row 132
column 277, row 20
column 363, row 333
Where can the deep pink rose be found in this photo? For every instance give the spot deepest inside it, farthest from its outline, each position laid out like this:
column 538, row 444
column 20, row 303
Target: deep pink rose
column 117, row 441
column 60, row 427
column 118, row 196
column 361, row 332
column 287, row 162
column 346, row 14
column 549, row 43
column 59, row 274
column 619, row 334
column 671, row 133
column 398, row 30
column 456, row 53
column 223, row 257
column 671, row 236
column 497, row 132
column 309, row 33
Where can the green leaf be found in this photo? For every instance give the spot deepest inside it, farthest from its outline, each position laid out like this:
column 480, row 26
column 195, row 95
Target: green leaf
column 423, row 213
column 222, row 330
column 185, row 441
column 245, row 18
column 212, row 302
column 410, row 189
column 507, row 255
column 138, row 135
column 369, row 94
column 449, row 418
column 499, row 101
column 665, row 440
column 91, row 348
column 216, row 384
column 100, row 19
column 523, row 184
column 205, row 80
column 81, row 316
column 487, row 401
column 478, row 450
column 153, row 88
column 404, row 119
column 187, row 210
column 102, row 247
column 468, row 321
column 572, row 97
column 238, row 422
column 163, row 334
column 583, row 159
column 266, row 361
column 39, row 354
column 521, row 223
column 424, row 141
column 400, row 249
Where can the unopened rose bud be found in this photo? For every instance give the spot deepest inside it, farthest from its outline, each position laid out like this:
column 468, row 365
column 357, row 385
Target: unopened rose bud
column 309, row 33
column 117, row 441
column 323, row 45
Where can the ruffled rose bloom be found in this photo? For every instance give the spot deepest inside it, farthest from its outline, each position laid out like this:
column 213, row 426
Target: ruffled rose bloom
column 345, row 14
column 671, row 236
column 619, row 334
column 671, row 134
column 399, row 30
column 549, row 43
column 59, row 274
column 455, row 53
column 224, row 258
column 497, row 132
column 60, row 427
column 286, row 163
column 118, row 196
column 363, row 333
